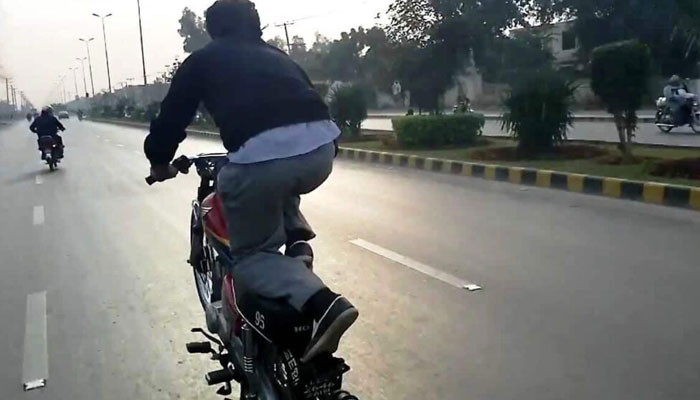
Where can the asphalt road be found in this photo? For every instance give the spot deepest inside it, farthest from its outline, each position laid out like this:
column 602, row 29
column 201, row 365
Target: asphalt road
column 598, row 131
column 584, row 297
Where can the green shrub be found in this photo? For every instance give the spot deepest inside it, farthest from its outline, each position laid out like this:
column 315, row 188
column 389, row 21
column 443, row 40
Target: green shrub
column 348, row 107
column 434, row 131
column 619, row 76
column 538, row 111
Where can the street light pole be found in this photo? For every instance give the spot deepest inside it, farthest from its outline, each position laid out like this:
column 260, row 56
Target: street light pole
column 92, row 80
column 104, row 35
column 143, row 53
column 82, row 62
column 75, row 82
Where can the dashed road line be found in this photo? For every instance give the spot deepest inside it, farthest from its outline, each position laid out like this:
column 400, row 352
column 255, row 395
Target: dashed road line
column 35, row 365
column 38, row 217
column 39, row 180
column 120, row 145
column 417, row 266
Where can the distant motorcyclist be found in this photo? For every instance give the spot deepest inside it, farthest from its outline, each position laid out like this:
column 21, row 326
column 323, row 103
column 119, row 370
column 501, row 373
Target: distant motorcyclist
column 47, row 124
column 679, row 99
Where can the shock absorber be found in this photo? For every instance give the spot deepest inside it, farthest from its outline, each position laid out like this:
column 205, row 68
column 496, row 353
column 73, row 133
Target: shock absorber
column 249, row 354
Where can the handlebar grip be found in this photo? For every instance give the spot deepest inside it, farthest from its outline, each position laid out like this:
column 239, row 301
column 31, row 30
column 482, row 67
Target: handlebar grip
column 150, row 181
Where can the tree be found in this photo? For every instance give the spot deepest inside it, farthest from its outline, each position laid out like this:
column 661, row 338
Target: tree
column 538, row 111
column 277, row 42
column 193, row 31
column 619, row 76
column 348, row 108
column 448, row 32
column 665, row 26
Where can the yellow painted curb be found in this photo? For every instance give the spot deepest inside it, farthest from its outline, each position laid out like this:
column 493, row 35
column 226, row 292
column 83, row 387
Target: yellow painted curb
column 515, row 175
column 612, row 187
column 574, row 182
column 428, row 165
column 467, row 169
column 490, row 172
column 397, row 160
column 654, row 193
column 386, row 157
column 412, row 161
column 544, row 179
column 695, row 198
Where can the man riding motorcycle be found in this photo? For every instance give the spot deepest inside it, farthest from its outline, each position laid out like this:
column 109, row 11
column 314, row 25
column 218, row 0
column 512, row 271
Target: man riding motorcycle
column 47, row 124
column 281, row 145
column 679, row 100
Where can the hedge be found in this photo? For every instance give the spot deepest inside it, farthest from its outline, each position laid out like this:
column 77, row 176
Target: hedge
column 438, row 130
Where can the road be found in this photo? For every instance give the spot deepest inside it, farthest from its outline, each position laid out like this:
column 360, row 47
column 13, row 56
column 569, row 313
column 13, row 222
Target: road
column 599, row 131
column 584, row 297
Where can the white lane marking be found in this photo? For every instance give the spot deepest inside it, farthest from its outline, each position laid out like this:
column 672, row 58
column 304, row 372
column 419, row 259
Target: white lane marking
column 38, row 217
column 98, row 136
column 120, row 145
column 417, row 266
column 38, row 180
column 138, row 153
column 35, row 366
column 107, row 140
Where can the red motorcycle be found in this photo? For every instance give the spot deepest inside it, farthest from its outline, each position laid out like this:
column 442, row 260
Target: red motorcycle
column 260, row 347
column 51, row 152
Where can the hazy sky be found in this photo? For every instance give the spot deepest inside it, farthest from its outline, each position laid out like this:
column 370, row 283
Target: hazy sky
column 39, row 38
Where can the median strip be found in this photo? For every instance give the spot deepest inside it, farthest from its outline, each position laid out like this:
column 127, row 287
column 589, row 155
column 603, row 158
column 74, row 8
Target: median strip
column 648, row 192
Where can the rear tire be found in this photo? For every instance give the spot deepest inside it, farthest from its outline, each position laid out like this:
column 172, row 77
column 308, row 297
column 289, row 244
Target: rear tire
column 52, row 165
column 695, row 125
column 665, row 129
column 207, row 279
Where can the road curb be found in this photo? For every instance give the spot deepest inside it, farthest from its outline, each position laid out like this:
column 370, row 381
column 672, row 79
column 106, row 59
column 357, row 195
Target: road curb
column 647, row 192
column 584, row 118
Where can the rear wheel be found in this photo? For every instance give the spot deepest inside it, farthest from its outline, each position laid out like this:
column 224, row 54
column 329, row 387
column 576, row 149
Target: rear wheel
column 52, row 165
column 207, row 277
column 665, row 129
column 695, row 124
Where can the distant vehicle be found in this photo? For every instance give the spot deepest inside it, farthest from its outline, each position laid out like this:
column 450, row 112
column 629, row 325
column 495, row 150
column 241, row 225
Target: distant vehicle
column 63, row 115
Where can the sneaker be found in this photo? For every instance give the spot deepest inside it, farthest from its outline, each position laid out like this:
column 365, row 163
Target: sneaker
column 328, row 330
column 302, row 251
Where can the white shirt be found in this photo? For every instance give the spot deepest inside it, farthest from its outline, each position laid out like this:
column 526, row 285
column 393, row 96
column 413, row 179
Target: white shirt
column 286, row 142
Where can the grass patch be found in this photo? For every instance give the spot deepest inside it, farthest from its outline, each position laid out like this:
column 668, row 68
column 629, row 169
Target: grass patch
column 590, row 166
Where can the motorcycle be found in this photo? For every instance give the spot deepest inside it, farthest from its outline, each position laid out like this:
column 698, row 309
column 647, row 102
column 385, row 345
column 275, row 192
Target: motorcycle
column 666, row 121
column 50, row 151
column 262, row 351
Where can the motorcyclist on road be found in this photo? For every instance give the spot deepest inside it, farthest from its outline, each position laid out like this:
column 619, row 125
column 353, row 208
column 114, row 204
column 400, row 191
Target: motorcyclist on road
column 47, row 124
column 280, row 139
column 679, row 99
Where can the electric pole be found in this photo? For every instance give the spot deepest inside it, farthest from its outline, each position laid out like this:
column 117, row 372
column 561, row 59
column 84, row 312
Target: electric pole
column 143, row 53
column 104, row 35
column 92, row 80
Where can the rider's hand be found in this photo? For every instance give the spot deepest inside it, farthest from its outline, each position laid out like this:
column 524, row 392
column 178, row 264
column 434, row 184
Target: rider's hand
column 162, row 173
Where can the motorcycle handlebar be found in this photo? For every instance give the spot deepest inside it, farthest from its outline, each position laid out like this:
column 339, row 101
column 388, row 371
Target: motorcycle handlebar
column 181, row 164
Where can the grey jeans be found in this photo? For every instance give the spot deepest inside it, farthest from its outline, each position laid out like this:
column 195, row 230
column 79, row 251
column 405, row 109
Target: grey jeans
column 261, row 204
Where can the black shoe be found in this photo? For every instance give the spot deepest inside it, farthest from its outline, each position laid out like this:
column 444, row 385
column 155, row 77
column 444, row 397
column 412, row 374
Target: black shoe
column 302, row 251
column 327, row 331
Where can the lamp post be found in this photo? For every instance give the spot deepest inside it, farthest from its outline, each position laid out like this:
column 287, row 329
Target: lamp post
column 82, row 62
column 143, row 53
column 75, row 82
column 104, row 35
column 87, row 45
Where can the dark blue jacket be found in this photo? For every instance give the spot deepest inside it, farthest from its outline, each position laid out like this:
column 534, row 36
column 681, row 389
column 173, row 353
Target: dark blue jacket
column 247, row 86
column 46, row 125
